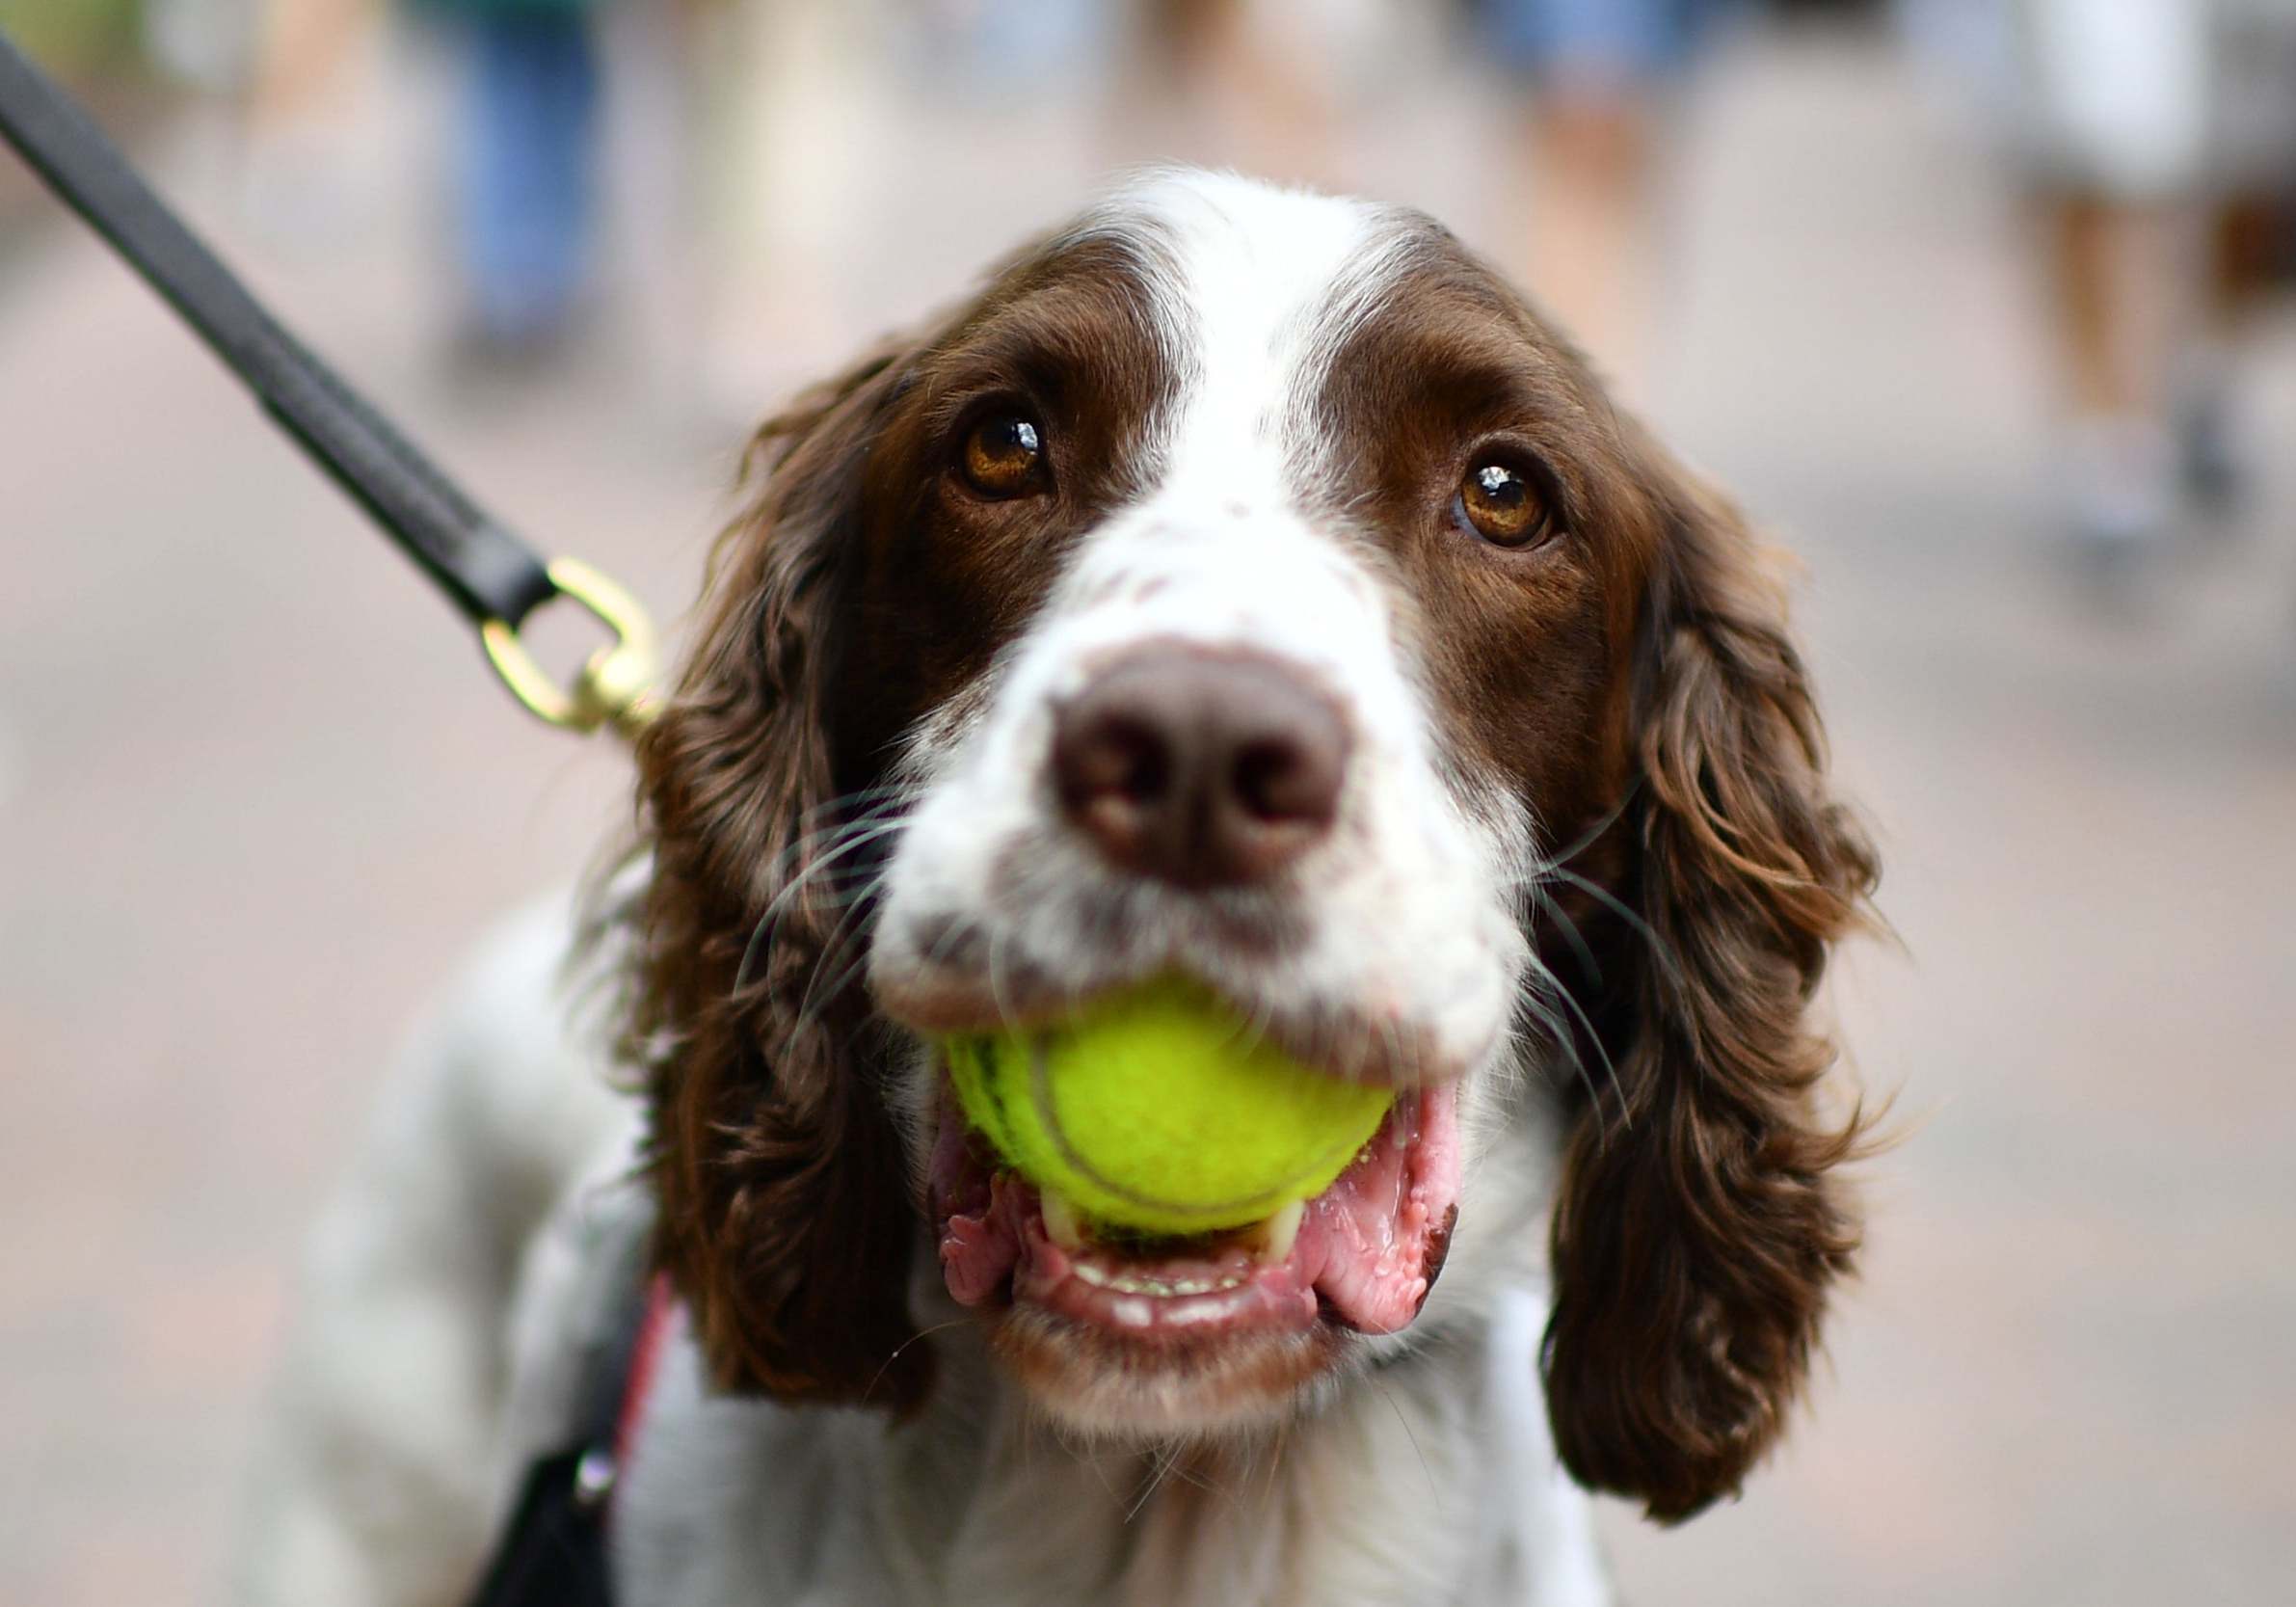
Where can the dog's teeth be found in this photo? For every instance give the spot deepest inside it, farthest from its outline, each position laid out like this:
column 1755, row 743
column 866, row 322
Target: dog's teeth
column 1271, row 1241
column 1060, row 1224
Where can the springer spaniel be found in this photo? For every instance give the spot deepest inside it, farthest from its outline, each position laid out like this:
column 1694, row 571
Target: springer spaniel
column 1246, row 584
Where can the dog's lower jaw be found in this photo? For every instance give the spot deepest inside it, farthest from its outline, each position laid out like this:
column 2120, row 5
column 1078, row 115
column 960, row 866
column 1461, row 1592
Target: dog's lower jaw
column 1096, row 1386
column 1177, row 1362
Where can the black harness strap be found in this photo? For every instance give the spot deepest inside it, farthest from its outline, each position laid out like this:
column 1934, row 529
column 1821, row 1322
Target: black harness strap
column 488, row 571
column 552, row 1549
column 554, row 1554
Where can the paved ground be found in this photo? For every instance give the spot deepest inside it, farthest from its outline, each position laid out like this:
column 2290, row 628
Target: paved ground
column 254, row 792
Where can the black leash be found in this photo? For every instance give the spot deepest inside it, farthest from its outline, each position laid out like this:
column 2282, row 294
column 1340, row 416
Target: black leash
column 496, row 580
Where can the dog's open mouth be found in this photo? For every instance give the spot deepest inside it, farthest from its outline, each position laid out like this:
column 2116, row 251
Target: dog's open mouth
column 1361, row 1254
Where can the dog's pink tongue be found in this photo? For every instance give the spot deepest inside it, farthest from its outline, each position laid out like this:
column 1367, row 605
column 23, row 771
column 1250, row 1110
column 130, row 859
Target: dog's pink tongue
column 1369, row 1246
column 979, row 1248
column 1373, row 1242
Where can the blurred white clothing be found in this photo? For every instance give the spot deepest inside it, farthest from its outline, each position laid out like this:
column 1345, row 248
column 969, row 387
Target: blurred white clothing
column 2118, row 93
column 2130, row 100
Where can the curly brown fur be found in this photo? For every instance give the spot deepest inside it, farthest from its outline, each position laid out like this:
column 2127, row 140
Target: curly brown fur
column 1694, row 1240
column 771, row 1142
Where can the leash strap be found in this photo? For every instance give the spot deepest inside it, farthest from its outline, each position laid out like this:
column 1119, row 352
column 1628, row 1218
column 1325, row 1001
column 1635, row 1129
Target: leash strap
column 487, row 573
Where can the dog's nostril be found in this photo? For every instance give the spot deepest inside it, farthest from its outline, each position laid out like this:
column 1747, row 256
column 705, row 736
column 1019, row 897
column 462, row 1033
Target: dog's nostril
column 1282, row 781
column 1139, row 760
column 1110, row 758
column 1197, row 768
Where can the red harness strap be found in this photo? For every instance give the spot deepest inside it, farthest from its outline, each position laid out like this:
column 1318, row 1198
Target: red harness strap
column 654, row 1327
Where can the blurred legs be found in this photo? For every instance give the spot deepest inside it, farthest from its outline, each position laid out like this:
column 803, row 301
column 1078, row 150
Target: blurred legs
column 1589, row 230
column 1597, row 146
column 527, row 208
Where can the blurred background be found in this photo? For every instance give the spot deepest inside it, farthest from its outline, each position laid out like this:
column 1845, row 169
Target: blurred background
column 1982, row 305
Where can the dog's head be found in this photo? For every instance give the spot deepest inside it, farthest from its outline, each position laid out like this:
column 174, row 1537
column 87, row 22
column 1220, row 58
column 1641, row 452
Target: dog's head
column 1248, row 585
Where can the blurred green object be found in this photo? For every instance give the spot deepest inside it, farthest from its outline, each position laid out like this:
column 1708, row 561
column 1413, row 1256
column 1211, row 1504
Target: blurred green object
column 76, row 37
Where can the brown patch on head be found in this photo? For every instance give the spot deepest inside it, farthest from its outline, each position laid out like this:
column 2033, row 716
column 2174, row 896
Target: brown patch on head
column 862, row 587
column 1523, row 647
column 946, row 576
column 1629, row 667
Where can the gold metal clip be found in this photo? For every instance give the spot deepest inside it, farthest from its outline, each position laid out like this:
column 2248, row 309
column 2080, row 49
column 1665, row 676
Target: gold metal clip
column 614, row 686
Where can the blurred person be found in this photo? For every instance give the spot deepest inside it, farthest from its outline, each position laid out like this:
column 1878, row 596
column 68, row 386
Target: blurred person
column 525, row 167
column 786, row 112
column 294, row 109
column 2246, row 241
column 2139, row 129
column 524, row 149
column 2116, row 118
column 807, row 104
column 1600, row 74
column 212, row 44
column 1252, row 84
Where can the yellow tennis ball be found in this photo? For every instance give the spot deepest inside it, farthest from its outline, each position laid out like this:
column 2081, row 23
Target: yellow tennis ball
column 1162, row 1112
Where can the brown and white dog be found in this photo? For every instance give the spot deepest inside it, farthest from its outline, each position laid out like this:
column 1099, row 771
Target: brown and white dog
column 1244, row 584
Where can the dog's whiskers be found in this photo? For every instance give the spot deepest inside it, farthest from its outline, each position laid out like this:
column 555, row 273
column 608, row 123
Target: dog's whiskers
column 1540, row 901
column 872, row 796
column 997, row 995
column 1160, row 1461
column 898, row 1351
column 860, row 835
column 782, row 862
column 1425, row 1467
column 1540, row 869
column 1555, row 985
column 1660, row 950
column 846, row 932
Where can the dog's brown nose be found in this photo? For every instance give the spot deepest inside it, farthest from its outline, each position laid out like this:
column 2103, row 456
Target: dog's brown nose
column 1198, row 767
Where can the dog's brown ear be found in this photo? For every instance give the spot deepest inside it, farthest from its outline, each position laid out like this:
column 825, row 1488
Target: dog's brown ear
column 1697, row 1232
column 785, row 1217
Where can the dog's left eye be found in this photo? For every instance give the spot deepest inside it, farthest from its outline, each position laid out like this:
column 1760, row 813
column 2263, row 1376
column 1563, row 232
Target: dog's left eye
column 1503, row 504
column 1003, row 455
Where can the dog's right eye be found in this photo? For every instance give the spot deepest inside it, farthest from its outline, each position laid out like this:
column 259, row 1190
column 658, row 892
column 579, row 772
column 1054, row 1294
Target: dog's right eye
column 1003, row 455
column 1502, row 505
